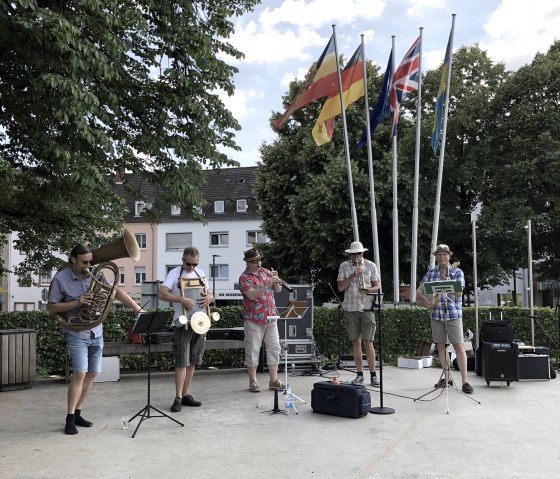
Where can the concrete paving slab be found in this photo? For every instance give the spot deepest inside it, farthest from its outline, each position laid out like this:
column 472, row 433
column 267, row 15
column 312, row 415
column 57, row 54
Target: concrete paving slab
column 513, row 432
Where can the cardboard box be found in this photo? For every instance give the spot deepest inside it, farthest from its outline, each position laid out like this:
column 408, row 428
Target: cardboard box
column 426, row 349
column 111, row 370
column 410, row 363
column 427, row 361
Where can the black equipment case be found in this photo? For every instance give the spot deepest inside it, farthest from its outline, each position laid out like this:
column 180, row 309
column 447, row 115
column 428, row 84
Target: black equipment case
column 345, row 400
column 496, row 332
column 160, row 337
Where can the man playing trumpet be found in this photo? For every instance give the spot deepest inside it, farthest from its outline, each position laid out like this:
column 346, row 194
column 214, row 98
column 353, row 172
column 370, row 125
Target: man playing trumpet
column 259, row 318
column 357, row 277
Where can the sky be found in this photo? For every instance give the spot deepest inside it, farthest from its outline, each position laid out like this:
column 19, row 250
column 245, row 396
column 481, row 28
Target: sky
column 282, row 38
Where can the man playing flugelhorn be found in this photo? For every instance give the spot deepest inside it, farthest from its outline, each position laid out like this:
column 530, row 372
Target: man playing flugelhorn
column 259, row 319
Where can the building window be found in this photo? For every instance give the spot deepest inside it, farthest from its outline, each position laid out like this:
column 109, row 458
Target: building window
column 25, row 281
column 177, row 241
column 221, row 271
column 139, row 274
column 140, row 206
column 121, row 275
column 42, row 305
column 141, row 240
column 197, row 209
column 219, row 239
column 169, row 267
column 45, row 278
column 175, row 210
column 242, row 206
column 256, row 237
column 219, row 206
column 24, row 306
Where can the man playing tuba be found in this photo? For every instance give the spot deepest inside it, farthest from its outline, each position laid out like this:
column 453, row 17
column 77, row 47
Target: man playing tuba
column 68, row 294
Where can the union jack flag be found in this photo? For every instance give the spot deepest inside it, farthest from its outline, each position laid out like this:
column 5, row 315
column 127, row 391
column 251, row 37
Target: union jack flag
column 405, row 80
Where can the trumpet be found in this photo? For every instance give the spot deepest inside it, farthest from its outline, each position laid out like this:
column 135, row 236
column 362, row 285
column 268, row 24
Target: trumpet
column 280, row 280
column 361, row 280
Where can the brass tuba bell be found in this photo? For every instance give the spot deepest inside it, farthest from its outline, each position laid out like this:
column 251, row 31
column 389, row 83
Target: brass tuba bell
column 90, row 316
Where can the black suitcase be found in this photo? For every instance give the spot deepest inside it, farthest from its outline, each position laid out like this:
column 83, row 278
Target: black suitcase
column 226, row 333
column 500, row 362
column 345, row 400
column 496, row 332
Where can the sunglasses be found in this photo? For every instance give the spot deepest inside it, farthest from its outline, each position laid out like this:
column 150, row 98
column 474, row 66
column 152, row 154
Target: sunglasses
column 88, row 262
column 190, row 264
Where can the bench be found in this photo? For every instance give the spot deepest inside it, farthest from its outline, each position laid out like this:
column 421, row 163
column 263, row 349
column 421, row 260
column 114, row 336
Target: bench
column 117, row 348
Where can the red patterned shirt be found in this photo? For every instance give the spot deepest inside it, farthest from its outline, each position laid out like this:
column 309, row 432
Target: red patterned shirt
column 259, row 309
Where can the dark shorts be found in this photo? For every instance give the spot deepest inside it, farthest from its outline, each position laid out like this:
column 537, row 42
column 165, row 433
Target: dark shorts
column 188, row 347
column 360, row 325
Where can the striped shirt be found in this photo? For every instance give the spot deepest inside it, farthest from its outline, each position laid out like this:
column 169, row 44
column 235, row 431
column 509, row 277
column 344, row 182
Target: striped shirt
column 449, row 306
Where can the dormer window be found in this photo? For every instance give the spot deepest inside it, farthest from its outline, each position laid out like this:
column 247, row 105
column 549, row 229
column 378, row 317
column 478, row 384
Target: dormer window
column 242, row 206
column 175, row 210
column 219, row 206
column 140, row 206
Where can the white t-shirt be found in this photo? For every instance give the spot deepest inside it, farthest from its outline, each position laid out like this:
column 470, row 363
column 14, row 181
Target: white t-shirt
column 172, row 282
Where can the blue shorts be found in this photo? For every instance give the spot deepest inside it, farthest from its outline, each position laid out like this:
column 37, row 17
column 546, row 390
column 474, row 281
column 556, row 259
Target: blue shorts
column 87, row 354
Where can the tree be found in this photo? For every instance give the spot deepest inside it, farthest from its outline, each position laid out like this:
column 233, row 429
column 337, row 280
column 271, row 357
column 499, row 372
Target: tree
column 90, row 88
column 524, row 147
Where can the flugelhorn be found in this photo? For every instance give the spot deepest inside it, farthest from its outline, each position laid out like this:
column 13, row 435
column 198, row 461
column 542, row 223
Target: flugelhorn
column 362, row 288
column 280, row 280
column 102, row 294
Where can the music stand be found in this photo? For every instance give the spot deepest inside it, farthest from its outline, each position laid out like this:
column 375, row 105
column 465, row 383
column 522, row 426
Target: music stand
column 147, row 323
column 377, row 299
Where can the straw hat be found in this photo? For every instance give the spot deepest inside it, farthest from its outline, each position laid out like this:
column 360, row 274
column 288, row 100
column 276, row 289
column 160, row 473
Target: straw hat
column 356, row 247
column 251, row 255
column 443, row 248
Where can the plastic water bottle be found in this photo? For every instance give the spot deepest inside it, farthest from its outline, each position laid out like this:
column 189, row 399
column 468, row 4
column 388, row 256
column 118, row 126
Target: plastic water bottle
column 290, row 408
column 124, row 423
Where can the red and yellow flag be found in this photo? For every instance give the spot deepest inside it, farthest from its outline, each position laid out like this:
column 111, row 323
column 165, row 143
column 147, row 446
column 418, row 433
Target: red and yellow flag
column 352, row 89
column 321, row 81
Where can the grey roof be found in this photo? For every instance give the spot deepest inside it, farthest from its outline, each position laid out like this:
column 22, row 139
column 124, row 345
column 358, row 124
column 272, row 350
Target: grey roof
column 227, row 184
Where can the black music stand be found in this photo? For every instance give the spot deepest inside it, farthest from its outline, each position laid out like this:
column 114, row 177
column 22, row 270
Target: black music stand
column 377, row 299
column 147, row 323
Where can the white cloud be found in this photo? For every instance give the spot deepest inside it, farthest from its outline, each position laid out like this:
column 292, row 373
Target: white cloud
column 418, row 7
column 291, row 30
column 516, row 34
column 239, row 103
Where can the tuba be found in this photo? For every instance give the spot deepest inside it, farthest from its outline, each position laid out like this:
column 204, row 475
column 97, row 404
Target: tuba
column 198, row 317
column 102, row 293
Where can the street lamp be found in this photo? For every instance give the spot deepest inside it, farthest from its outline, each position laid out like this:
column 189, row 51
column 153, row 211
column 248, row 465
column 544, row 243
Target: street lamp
column 214, row 256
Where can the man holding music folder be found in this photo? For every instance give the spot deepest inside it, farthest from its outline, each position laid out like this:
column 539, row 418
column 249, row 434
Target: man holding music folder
column 188, row 346
column 446, row 312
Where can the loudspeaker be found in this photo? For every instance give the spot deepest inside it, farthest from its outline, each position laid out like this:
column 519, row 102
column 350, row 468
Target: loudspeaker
column 297, row 328
column 500, row 362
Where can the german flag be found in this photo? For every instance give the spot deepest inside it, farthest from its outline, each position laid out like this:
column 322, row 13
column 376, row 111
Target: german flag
column 321, row 81
column 352, row 89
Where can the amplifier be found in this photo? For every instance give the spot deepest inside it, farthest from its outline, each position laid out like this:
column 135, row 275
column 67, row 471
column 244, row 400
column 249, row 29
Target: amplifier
column 296, row 328
column 500, row 362
column 534, row 366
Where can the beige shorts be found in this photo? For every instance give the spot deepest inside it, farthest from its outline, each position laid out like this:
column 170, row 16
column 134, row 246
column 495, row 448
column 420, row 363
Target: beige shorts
column 453, row 329
column 360, row 325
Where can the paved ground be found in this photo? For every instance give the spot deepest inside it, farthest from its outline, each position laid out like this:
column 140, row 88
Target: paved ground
column 507, row 432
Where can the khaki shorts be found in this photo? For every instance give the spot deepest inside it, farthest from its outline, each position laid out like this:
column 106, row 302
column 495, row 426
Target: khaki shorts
column 454, row 331
column 360, row 325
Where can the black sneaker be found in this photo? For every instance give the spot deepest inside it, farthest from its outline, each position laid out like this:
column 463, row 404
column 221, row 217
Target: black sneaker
column 188, row 400
column 441, row 383
column 467, row 388
column 176, row 405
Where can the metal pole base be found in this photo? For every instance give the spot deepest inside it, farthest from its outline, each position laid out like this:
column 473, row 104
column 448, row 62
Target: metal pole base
column 382, row 410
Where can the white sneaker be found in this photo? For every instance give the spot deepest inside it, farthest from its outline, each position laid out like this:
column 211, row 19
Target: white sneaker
column 358, row 380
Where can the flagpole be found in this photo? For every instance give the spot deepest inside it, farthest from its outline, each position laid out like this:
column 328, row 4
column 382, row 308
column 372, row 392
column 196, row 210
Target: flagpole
column 435, row 227
column 395, row 207
column 370, row 169
column 416, row 179
column 475, row 279
column 346, row 144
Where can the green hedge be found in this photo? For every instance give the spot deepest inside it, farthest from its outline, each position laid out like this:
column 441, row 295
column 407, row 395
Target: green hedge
column 403, row 330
